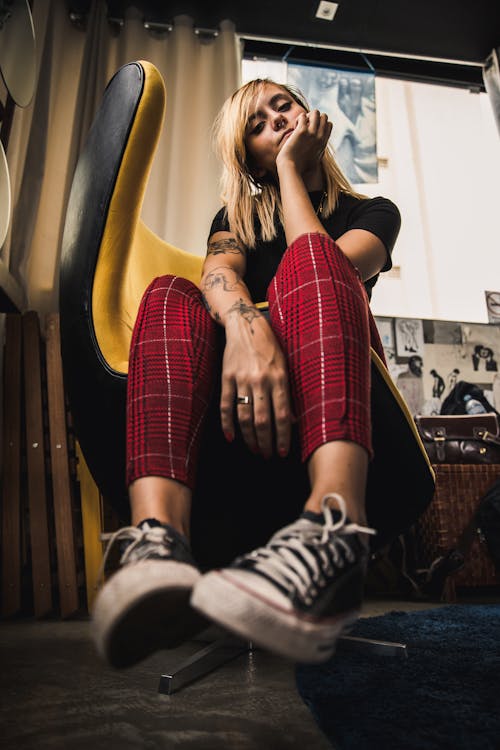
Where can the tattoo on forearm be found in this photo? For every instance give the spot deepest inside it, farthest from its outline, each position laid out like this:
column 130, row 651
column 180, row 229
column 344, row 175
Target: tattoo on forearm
column 223, row 277
column 247, row 312
column 221, row 247
column 215, row 315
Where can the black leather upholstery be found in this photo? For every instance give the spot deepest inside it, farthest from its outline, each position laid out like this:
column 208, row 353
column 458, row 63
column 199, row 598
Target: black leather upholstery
column 95, row 391
column 400, row 483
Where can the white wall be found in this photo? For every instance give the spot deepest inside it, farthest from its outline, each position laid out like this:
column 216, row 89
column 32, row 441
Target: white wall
column 443, row 171
column 443, row 151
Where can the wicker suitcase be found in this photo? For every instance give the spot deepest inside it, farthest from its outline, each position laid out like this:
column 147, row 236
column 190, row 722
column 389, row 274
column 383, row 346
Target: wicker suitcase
column 459, row 488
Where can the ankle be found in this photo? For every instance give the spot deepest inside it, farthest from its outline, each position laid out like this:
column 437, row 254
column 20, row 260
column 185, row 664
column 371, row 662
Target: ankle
column 163, row 499
column 177, row 524
column 355, row 509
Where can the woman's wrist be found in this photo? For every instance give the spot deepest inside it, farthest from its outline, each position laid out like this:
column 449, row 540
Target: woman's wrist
column 242, row 312
column 287, row 167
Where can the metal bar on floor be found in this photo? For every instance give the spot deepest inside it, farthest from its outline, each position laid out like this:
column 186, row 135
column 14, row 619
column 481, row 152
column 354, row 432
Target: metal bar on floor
column 201, row 663
column 369, row 645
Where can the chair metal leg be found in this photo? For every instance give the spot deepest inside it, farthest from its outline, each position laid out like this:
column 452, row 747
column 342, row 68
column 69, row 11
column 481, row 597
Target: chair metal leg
column 202, row 663
column 225, row 649
column 371, row 646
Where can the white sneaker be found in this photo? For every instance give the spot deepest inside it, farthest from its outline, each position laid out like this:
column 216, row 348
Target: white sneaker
column 145, row 605
column 296, row 595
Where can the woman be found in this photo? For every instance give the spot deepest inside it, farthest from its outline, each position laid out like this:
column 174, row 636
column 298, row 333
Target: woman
column 292, row 229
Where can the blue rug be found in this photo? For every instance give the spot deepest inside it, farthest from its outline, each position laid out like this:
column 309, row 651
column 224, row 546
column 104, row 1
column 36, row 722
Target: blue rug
column 444, row 696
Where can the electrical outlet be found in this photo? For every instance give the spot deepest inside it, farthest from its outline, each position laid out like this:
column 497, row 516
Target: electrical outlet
column 326, row 10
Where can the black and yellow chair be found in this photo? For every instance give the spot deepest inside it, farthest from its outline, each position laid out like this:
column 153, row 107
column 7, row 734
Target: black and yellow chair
column 109, row 257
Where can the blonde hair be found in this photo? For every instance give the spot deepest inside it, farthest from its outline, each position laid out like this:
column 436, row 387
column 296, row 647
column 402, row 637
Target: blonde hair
column 242, row 193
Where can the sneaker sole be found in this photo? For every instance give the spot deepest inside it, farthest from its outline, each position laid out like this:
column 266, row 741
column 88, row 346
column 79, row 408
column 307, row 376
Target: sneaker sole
column 143, row 608
column 236, row 607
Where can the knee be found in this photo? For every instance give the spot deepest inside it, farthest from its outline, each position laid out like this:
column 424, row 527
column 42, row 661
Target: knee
column 313, row 245
column 172, row 283
column 319, row 250
column 172, row 288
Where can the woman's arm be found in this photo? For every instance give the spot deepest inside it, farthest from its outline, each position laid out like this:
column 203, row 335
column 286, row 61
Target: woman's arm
column 222, row 283
column 299, row 169
column 253, row 363
column 365, row 251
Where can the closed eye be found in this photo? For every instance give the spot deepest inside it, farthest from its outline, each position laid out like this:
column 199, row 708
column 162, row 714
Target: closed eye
column 258, row 128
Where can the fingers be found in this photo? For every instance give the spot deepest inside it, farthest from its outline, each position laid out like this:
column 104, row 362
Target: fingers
column 282, row 419
column 267, row 413
column 227, row 399
column 262, row 417
column 245, row 414
column 317, row 124
column 255, row 391
column 323, row 127
column 263, row 414
column 314, row 119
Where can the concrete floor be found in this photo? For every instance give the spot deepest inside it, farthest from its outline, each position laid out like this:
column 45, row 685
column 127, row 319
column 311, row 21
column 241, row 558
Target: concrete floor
column 56, row 693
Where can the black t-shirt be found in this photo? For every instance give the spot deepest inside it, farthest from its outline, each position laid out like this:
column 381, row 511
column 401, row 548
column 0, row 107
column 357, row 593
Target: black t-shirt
column 377, row 215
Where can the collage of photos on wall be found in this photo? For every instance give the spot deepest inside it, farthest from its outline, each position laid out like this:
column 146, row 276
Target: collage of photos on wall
column 426, row 358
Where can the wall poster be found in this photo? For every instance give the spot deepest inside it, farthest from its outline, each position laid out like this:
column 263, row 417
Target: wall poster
column 348, row 97
column 426, row 359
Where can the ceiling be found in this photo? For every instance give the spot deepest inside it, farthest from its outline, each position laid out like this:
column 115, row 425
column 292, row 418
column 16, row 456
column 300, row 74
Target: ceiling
column 415, row 40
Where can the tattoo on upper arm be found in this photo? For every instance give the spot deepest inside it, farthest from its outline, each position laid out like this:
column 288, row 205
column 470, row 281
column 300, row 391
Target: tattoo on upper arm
column 222, row 276
column 247, row 312
column 221, row 247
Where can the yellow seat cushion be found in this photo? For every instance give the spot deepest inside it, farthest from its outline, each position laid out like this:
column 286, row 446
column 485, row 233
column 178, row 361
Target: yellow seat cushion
column 131, row 255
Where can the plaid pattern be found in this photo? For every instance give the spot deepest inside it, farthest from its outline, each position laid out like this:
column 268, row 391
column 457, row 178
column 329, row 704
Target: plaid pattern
column 170, row 381
column 319, row 309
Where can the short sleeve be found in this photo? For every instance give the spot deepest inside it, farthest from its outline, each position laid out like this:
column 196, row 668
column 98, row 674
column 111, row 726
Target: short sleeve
column 220, row 222
column 381, row 217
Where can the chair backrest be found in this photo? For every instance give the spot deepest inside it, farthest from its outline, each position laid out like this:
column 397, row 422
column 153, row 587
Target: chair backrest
column 108, row 258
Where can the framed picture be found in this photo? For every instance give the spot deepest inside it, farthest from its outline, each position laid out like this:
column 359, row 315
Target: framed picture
column 348, row 97
column 493, row 306
column 409, row 338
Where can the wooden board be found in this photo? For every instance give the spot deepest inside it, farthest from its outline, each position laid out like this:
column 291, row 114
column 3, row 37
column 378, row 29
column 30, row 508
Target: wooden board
column 61, row 483
column 35, row 462
column 11, row 462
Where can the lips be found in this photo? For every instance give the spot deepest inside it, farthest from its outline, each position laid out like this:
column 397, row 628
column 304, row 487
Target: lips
column 287, row 132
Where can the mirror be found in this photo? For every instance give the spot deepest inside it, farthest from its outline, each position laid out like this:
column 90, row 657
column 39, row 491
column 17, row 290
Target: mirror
column 4, row 196
column 17, row 50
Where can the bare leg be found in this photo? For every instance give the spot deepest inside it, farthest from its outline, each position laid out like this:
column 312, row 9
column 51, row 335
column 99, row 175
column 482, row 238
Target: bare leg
column 339, row 466
column 165, row 499
column 296, row 594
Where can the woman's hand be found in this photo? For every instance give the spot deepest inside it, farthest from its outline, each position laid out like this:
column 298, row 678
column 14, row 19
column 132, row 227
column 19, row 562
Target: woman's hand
column 254, row 366
column 306, row 144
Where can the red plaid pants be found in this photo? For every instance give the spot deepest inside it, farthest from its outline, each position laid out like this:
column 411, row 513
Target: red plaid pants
column 318, row 309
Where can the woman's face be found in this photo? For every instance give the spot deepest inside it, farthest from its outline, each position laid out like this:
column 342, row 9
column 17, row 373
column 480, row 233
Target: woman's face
column 272, row 119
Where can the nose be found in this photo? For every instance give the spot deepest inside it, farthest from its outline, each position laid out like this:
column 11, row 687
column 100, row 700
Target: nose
column 279, row 121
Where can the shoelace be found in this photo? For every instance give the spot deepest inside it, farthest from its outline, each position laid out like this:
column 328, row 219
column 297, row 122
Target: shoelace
column 156, row 537
column 288, row 560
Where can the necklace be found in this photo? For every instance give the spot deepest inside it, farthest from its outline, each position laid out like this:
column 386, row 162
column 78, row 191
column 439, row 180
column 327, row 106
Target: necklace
column 319, row 210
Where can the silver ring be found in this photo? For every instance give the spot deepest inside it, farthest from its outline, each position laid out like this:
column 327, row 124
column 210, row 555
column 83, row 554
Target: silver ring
column 243, row 400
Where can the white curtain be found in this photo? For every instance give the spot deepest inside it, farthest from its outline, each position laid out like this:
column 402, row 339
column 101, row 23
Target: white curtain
column 74, row 67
